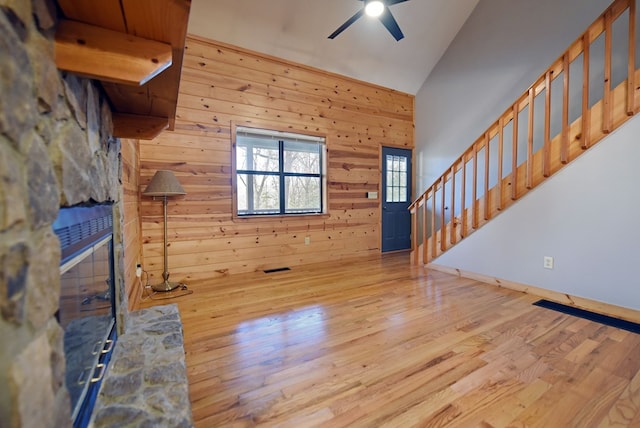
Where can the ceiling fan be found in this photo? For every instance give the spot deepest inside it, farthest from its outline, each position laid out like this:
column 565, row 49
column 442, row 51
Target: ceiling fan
column 379, row 9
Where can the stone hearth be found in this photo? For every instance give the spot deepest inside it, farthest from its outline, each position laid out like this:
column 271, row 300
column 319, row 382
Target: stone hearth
column 147, row 381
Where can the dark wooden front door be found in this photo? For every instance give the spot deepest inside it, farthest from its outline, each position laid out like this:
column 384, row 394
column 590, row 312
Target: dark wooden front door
column 396, row 198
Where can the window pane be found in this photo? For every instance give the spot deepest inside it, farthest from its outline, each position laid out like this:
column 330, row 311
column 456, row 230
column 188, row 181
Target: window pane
column 403, row 163
column 258, row 194
column 241, row 158
column 243, row 196
column 302, row 158
column 403, row 179
column 403, row 194
column 266, row 194
column 390, row 177
column 396, row 194
column 302, row 194
column 257, row 155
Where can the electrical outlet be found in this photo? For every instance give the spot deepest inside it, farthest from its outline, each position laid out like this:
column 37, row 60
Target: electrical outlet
column 307, row 240
column 548, row 262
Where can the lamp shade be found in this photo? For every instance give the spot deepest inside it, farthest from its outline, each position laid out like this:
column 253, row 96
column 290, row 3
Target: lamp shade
column 164, row 183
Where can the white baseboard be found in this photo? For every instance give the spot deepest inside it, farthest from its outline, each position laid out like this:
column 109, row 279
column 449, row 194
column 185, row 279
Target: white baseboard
column 566, row 299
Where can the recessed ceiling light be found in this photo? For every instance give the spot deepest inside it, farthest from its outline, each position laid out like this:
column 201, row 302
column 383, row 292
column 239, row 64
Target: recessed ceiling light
column 374, row 8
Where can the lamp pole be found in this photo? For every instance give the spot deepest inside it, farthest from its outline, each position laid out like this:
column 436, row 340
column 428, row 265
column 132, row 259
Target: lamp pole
column 166, row 285
column 165, row 273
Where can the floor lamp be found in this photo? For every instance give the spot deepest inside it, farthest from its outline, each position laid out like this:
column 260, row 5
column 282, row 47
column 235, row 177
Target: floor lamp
column 164, row 184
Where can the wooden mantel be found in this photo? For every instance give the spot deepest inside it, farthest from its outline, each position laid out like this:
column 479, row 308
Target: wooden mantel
column 135, row 48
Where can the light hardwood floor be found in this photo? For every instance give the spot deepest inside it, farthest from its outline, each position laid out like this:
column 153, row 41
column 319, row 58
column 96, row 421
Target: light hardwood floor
column 379, row 342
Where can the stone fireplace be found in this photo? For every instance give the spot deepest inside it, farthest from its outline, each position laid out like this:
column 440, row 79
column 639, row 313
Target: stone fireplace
column 56, row 150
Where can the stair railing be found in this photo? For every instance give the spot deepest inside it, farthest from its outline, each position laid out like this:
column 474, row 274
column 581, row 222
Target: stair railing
column 517, row 152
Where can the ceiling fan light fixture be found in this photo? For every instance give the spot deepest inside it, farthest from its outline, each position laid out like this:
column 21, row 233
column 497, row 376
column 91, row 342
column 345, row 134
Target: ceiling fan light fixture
column 378, row 9
column 374, row 8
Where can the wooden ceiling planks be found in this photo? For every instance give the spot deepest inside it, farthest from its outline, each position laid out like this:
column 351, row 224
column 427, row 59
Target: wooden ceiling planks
column 158, row 20
column 104, row 13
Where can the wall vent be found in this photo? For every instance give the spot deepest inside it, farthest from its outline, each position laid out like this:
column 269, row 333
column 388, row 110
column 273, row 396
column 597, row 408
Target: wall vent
column 276, row 270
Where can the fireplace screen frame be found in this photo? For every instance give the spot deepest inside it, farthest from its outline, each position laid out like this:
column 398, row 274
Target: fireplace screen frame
column 84, row 233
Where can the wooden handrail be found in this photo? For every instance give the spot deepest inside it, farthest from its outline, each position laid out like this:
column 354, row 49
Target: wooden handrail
column 594, row 123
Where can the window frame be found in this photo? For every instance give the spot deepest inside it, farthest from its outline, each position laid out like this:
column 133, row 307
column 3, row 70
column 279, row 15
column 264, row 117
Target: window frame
column 281, row 137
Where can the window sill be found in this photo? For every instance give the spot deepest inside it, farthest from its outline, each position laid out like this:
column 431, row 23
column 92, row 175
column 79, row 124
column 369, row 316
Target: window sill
column 278, row 217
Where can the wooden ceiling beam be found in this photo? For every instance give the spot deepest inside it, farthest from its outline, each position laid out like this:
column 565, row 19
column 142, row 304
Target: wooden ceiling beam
column 137, row 126
column 108, row 55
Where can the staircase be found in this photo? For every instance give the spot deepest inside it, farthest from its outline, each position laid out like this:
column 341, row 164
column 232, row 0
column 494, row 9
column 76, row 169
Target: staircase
column 584, row 95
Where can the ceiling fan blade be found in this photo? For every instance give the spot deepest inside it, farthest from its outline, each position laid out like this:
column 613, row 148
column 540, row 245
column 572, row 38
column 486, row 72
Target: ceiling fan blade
column 349, row 21
column 389, row 21
column 392, row 2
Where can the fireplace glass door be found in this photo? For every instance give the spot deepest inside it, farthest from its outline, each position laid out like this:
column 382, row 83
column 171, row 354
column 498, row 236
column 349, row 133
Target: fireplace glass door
column 87, row 303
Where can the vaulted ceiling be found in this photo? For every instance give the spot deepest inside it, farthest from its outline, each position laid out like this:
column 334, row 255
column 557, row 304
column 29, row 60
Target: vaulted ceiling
column 297, row 30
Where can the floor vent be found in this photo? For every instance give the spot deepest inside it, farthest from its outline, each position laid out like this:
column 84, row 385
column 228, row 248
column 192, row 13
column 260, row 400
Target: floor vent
column 591, row 316
column 276, row 270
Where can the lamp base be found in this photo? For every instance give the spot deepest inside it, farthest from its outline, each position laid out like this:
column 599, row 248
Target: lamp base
column 166, row 286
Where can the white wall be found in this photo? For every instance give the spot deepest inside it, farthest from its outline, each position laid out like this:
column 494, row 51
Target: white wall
column 502, row 48
column 585, row 215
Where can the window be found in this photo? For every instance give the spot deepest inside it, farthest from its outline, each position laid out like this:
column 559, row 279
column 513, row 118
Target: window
column 279, row 173
column 397, row 178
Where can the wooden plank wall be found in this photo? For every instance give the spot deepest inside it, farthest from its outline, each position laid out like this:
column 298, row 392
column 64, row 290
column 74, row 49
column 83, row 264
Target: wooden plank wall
column 221, row 85
column 130, row 155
